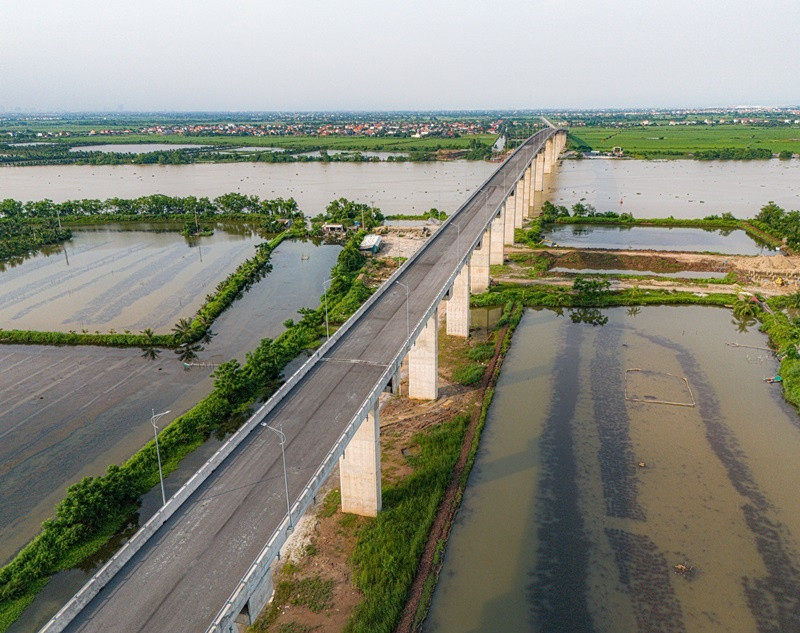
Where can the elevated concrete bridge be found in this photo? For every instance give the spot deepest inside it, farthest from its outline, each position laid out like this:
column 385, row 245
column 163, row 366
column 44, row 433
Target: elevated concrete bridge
column 203, row 562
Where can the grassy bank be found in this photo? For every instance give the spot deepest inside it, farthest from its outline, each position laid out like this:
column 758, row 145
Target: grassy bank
column 97, row 507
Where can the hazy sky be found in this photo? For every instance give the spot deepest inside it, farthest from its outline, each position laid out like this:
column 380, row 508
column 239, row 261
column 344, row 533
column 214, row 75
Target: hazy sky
column 415, row 54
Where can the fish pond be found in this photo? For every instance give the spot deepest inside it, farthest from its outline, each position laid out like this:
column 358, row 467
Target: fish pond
column 727, row 242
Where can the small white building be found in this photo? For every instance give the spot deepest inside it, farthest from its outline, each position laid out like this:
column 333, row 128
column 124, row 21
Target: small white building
column 371, row 243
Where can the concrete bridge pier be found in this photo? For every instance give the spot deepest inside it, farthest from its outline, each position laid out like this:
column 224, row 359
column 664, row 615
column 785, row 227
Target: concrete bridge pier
column 539, row 181
column 360, row 468
column 548, row 155
column 479, row 266
column 496, row 238
column 528, row 197
column 519, row 194
column 458, row 304
column 423, row 362
column 508, row 221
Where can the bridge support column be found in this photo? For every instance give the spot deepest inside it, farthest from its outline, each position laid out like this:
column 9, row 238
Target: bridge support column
column 519, row 194
column 539, row 182
column 496, row 239
column 479, row 265
column 360, row 469
column 528, row 197
column 548, row 155
column 423, row 362
column 458, row 304
column 508, row 221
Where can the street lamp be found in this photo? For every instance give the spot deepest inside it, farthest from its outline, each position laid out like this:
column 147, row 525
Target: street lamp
column 325, row 291
column 282, row 436
column 155, row 417
column 408, row 325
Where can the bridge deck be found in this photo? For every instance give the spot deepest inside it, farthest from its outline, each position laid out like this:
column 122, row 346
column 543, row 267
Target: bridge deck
column 179, row 580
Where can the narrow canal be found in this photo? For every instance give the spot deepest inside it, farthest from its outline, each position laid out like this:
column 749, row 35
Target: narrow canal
column 588, row 490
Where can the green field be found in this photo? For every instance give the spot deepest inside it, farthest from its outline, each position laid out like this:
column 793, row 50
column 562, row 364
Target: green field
column 297, row 143
column 680, row 141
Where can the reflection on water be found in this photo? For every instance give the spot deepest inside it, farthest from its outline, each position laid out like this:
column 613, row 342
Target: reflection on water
column 394, row 187
column 120, row 277
column 728, row 242
column 680, row 188
column 582, row 502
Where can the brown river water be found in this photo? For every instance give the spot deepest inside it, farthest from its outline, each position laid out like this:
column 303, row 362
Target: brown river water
column 409, row 188
column 681, row 188
column 561, row 530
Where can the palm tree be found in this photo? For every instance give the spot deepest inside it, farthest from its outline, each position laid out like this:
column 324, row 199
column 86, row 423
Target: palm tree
column 182, row 330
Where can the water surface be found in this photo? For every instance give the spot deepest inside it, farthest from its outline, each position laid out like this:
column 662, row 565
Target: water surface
column 561, row 530
column 108, row 278
column 655, row 238
column 394, row 187
column 680, row 188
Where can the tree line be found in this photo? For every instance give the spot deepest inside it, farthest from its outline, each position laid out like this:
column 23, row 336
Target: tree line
column 152, row 206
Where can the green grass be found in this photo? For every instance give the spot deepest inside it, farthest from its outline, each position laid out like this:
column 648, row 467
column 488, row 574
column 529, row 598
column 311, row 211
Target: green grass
column 679, row 141
column 469, row 374
column 315, row 593
column 387, row 553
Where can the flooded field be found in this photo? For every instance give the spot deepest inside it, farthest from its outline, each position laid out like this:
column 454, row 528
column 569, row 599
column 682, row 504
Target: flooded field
column 652, row 238
column 68, row 412
column 681, row 188
column 394, row 187
column 109, row 278
column 593, row 507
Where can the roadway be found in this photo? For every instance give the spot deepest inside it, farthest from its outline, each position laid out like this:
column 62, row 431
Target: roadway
column 184, row 574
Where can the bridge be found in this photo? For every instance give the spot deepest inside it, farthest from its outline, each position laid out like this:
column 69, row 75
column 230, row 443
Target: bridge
column 203, row 562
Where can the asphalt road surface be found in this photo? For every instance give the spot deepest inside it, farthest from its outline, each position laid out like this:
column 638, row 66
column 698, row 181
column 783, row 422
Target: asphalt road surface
column 182, row 577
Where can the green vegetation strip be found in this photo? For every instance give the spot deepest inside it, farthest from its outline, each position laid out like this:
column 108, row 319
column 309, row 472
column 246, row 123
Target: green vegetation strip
column 97, row 507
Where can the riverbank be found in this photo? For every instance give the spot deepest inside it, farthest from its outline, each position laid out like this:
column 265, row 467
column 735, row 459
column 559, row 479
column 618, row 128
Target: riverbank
column 427, row 449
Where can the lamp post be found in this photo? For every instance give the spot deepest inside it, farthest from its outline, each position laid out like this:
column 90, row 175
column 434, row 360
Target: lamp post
column 282, row 436
column 408, row 323
column 325, row 291
column 155, row 417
